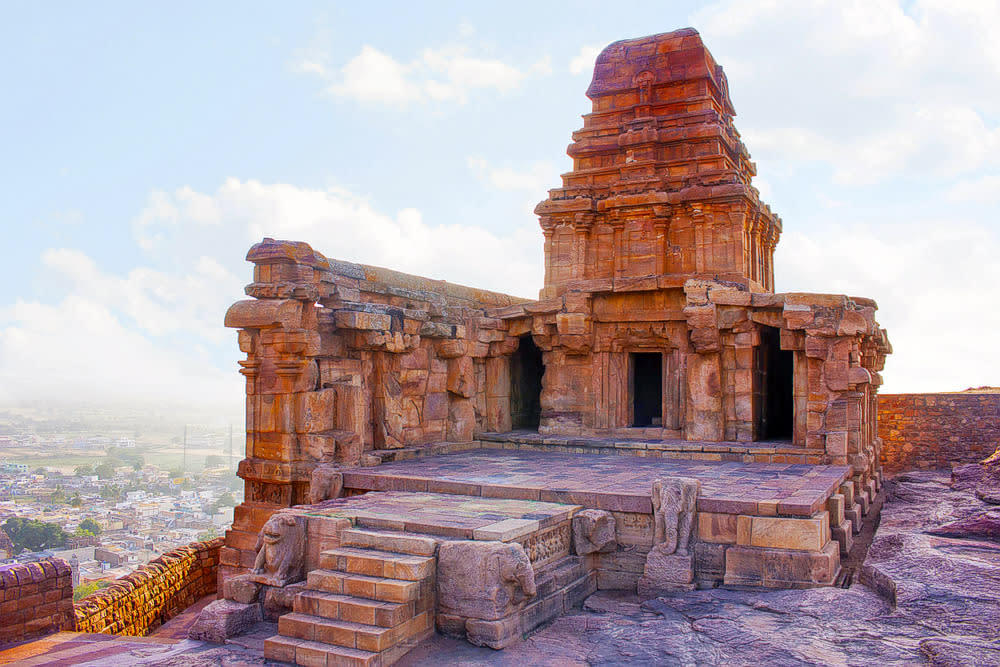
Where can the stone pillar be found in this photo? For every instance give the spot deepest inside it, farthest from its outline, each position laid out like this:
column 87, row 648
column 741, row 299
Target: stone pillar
column 286, row 411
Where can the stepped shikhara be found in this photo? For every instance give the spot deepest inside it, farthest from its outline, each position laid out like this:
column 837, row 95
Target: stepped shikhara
column 684, row 423
column 660, row 186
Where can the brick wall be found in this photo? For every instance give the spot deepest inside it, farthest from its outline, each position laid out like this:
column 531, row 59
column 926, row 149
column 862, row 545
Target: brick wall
column 936, row 430
column 35, row 599
column 143, row 600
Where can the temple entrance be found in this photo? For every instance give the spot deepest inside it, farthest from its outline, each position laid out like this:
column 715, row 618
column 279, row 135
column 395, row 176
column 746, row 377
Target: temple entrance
column 526, row 371
column 647, row 388
column 775, row 369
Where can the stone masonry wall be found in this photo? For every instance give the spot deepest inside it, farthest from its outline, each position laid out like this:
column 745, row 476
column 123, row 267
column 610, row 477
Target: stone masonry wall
column 35, row 599
column 936, row 430
column 145, row 599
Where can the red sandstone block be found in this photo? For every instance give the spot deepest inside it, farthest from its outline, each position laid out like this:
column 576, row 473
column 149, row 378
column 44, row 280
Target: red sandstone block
column 509, row 492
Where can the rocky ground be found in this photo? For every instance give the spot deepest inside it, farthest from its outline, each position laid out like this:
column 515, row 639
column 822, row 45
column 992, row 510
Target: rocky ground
column 929, row 592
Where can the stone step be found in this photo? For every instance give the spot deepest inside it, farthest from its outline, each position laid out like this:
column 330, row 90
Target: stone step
column 303, row 652
column 350, row 608
column 351, row 635
column 375, row 563
column 389, row 540
column 363, row 586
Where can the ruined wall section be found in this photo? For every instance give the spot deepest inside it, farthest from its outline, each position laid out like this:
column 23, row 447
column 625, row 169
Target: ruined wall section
column 709, row 334
column 345, row 361
column 142, row 601
column 35, row 599
column 838, row 350
column 661, row 180
column 937, row 430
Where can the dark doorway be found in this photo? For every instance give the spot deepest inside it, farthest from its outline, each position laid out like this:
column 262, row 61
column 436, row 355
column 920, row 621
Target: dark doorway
column 647, row 389
column 526, row 371
column 775, row 377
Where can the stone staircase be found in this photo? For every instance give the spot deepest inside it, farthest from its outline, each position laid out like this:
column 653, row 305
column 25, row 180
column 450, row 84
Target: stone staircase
column 371, row 601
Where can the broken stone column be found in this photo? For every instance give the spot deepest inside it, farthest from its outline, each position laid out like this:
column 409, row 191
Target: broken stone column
column 670, row 563
column 223, row 619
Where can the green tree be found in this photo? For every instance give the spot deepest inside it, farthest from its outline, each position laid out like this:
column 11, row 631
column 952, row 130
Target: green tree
column 90, row 526
column 76, row 500
column 209, row 534
column 83, row 471
column 86, row 588
column 34, row 535
column 225, row 500
column 106, row 470
column 214, row 460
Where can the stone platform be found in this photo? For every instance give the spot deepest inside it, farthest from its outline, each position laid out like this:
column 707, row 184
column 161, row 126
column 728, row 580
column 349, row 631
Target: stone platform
column 775, row 525
column 612, row 483
column 488, row 544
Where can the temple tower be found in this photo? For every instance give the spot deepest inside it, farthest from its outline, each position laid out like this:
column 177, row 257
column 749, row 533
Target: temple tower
column 661, row 180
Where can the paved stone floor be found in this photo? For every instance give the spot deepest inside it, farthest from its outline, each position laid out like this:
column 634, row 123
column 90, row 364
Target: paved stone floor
column 621, row 483
column 933, row 568
column 453, row 515
column 935, row 562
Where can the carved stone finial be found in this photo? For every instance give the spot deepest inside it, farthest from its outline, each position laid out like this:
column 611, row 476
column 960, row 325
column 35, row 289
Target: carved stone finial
column 594, row 532
column 669, row 565
column 674, row 503
column 280, row 550
column 326, row 482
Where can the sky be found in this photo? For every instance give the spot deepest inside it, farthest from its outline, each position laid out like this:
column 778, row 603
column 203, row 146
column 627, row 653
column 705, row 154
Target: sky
column 147, row 146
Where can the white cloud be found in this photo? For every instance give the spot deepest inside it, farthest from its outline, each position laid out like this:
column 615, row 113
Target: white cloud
column 934, row 281
column 536, row 179
column 945, row 140
column 869, row 87
column 446, row 74
column 342, row 225
column 79, row 350
column 187, row 300
column 373, row 76
column 154, row 332
column 584, row 60
column 984, row 189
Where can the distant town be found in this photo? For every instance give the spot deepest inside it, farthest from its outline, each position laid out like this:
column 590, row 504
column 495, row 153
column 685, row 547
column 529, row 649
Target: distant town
column 110, row 489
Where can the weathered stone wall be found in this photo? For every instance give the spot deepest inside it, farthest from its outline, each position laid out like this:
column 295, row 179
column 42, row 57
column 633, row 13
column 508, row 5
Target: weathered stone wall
column 35, row 599
column 936, row 430
column 346, row 361
column 145, row 599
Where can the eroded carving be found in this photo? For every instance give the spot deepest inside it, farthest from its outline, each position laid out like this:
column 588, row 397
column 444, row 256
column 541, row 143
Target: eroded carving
column 674, row 502
column 280, row 550
column 517, row 575
column 325, row 483
column 594, row 532
column 483, row 580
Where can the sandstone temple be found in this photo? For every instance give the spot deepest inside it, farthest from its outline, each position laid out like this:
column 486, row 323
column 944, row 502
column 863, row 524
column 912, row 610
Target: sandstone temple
column 427, row 456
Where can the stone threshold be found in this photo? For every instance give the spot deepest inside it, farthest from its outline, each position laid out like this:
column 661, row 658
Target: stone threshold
column 618, row 442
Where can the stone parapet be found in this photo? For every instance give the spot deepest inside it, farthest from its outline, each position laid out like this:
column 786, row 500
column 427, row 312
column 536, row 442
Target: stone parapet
column 145, row 599
column 35, row 599
column 937, row 430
